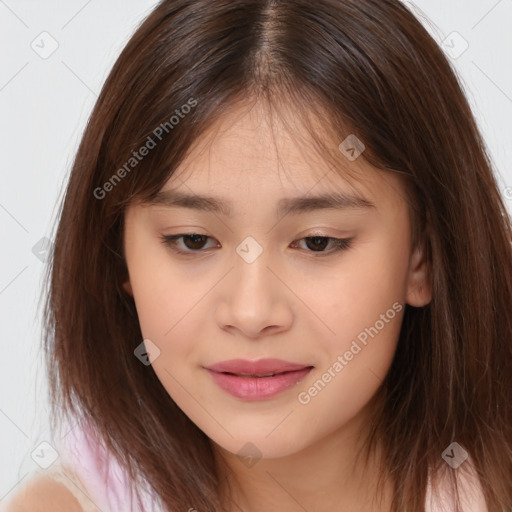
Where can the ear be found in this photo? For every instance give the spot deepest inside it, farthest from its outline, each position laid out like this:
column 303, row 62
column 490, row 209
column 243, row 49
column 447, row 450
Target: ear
column 128, row 287
column 419, row 289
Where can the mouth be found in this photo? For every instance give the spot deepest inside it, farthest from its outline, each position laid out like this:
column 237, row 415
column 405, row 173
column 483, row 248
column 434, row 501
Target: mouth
column 256, row 375
column 262, row 375
column 260, row 368
column 257, row 380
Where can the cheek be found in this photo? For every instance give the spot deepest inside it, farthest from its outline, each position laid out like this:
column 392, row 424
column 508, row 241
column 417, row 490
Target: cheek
column 154, row 301
column 165, row 307
column 363, row 306
column 363, row 288
column 162, row 293
column 357, row 357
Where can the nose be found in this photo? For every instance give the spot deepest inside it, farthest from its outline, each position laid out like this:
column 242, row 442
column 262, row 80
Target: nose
column 255, row 299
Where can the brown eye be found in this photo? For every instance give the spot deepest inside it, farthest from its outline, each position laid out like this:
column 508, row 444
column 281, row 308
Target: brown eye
column 194, row 242
column 191, row 242
column 318, row 244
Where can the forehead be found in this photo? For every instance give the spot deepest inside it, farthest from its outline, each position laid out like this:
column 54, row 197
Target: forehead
column 253, row 154
column 262, row 147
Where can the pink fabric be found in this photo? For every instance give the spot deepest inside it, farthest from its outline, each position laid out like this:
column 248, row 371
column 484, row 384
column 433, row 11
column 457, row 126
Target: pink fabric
column 105, row 481
column 470, row 490
column 107, row 485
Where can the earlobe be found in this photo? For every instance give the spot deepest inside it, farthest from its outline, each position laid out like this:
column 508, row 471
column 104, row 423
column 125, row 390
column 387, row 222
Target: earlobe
column 128, row 287
column 419, row 289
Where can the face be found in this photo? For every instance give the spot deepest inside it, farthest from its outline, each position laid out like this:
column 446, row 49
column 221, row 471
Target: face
column 320, row 287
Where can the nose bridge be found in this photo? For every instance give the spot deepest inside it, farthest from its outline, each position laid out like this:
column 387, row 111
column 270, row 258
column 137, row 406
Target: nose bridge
column 251, row 272
column 252, row 301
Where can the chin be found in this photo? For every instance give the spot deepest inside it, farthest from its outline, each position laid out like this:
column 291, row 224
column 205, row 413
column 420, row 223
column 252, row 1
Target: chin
column 260, row 445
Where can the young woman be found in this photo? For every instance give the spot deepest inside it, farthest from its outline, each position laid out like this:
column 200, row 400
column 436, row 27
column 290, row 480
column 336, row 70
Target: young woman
column 282, row 276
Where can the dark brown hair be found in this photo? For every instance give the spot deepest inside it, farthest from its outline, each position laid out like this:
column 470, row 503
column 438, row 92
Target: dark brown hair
column 371, row 69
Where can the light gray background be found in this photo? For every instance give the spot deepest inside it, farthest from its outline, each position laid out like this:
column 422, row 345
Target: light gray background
column 44, row 105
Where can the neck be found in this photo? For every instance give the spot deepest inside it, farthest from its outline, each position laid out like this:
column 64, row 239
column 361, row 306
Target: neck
column 330, row 474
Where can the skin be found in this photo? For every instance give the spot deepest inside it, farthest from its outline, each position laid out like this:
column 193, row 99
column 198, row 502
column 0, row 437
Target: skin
column 41, row 494
column 294, row 302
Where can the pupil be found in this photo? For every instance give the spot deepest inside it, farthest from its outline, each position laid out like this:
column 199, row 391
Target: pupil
column 318, row 240
column 195, row 241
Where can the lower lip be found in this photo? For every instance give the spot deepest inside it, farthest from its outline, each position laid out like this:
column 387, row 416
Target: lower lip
column 258, row 388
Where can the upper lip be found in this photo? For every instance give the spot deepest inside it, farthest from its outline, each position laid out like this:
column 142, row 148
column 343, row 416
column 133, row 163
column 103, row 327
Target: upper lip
column 260, row 367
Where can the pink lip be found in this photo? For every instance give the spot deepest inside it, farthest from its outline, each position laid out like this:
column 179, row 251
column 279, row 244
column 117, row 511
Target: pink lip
column 252, row 386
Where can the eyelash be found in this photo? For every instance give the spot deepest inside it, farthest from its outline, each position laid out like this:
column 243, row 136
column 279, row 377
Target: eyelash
column 340, row 244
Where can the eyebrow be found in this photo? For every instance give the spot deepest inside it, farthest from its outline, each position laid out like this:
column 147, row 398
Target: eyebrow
column 288, row 205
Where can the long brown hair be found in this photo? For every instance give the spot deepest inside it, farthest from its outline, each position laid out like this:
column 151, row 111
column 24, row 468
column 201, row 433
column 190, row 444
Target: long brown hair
column 372, row 70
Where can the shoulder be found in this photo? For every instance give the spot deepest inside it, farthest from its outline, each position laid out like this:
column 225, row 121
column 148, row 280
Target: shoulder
column 42, row 494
